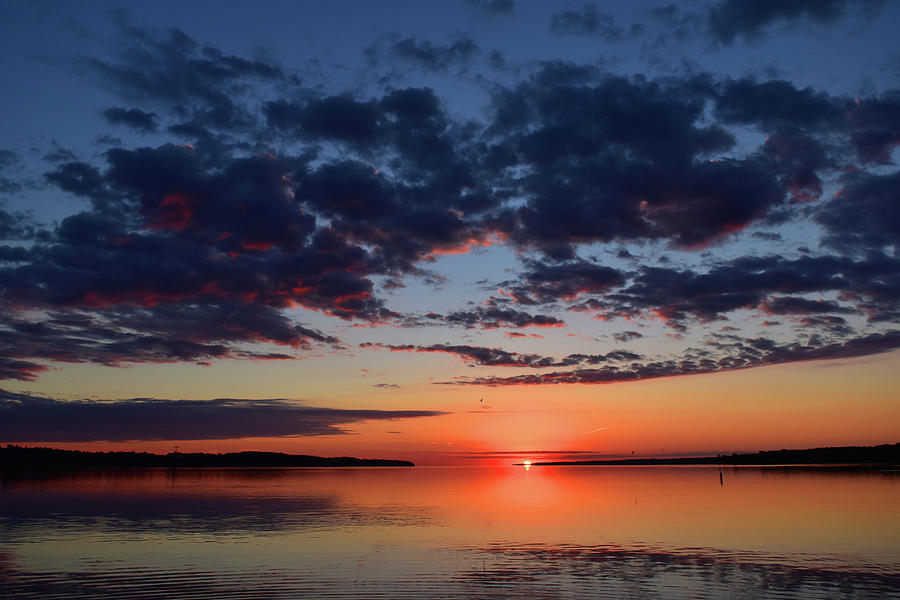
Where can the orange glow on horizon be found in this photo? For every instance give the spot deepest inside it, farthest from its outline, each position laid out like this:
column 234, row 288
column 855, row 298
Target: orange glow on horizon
column 795, row 406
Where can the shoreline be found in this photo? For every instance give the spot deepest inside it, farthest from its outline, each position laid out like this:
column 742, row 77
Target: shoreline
column 19, row 458
column 881, row 456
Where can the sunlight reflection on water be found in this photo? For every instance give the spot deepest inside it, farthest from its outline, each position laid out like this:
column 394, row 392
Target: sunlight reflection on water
column 587, row 532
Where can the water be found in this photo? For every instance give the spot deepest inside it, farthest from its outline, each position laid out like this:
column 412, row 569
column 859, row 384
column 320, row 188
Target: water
column 435, row 532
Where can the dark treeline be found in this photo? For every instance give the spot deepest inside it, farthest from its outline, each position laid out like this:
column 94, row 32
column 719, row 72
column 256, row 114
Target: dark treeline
column 885, row 454
column 18, row 458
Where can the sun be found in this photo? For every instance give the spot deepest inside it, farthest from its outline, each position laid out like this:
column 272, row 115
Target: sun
column 526, row 463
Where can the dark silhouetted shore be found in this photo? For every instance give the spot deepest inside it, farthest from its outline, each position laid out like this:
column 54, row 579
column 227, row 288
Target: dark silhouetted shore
column 18, row 458
column 885, row 454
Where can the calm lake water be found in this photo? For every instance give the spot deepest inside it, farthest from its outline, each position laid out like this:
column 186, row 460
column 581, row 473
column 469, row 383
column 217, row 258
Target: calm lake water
column 469, row 533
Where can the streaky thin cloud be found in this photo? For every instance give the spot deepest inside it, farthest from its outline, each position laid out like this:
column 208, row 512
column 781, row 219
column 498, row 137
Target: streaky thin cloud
column 596, row 430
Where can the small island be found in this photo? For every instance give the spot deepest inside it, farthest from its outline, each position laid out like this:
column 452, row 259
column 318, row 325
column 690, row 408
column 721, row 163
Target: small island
column 19, row 458
column 883, row 455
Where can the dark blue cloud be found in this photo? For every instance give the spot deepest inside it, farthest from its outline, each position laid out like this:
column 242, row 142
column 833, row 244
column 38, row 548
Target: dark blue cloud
column 786, row 305
column 494, row 317
column 16, row 226
column 198, row 331
column 424, row 54
column 610, row 158
column 494, row 7
column 590, row 21
column 497, row 357
column 79, row 178
column 171, row 66
column 730, row 19
column 682, row 296
column 8, row 159
column 545, row 283
column 140, row 121
column 28, row 418
column 743, row 354
column 865, row 214
column 299, row 197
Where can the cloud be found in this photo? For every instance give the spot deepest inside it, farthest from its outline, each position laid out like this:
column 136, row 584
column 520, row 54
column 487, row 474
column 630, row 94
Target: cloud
column 425, row 54
column 494, row 317
column 497, row 357
column 169, row 68
column 155, row 334
column 830, row 323
column 679, row 296
column 730, row 19
column 28, row 418
column 23, row 370
column 777, row 105
column 543, row 283
column 211, row 229
column 183, row 232
column 293, row 198
column 627, row 336
column 791, row 306
column 616, row 159
column 10, row 178
column 59, row 155
column 804, row 124
column 589, row 21
column 606, row 158
column 742, row 355
column 140, row 121
column 8, row 158
column 596, row 430
column 864, row 215
column 494, row 8
column 471, row 354
column 334, row 117
column 16, row 226
column 205, row 92
column 79, row 178
column 676, row 22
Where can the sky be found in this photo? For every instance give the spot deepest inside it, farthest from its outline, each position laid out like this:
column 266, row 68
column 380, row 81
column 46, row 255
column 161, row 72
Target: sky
column 456, row 232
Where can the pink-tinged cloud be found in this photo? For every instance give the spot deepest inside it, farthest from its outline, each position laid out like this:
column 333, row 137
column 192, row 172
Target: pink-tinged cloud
column 173, row 213
column 22, row 370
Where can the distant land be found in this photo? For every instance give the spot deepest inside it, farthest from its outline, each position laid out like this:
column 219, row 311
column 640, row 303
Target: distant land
column 18, row 458
column 886, row 454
